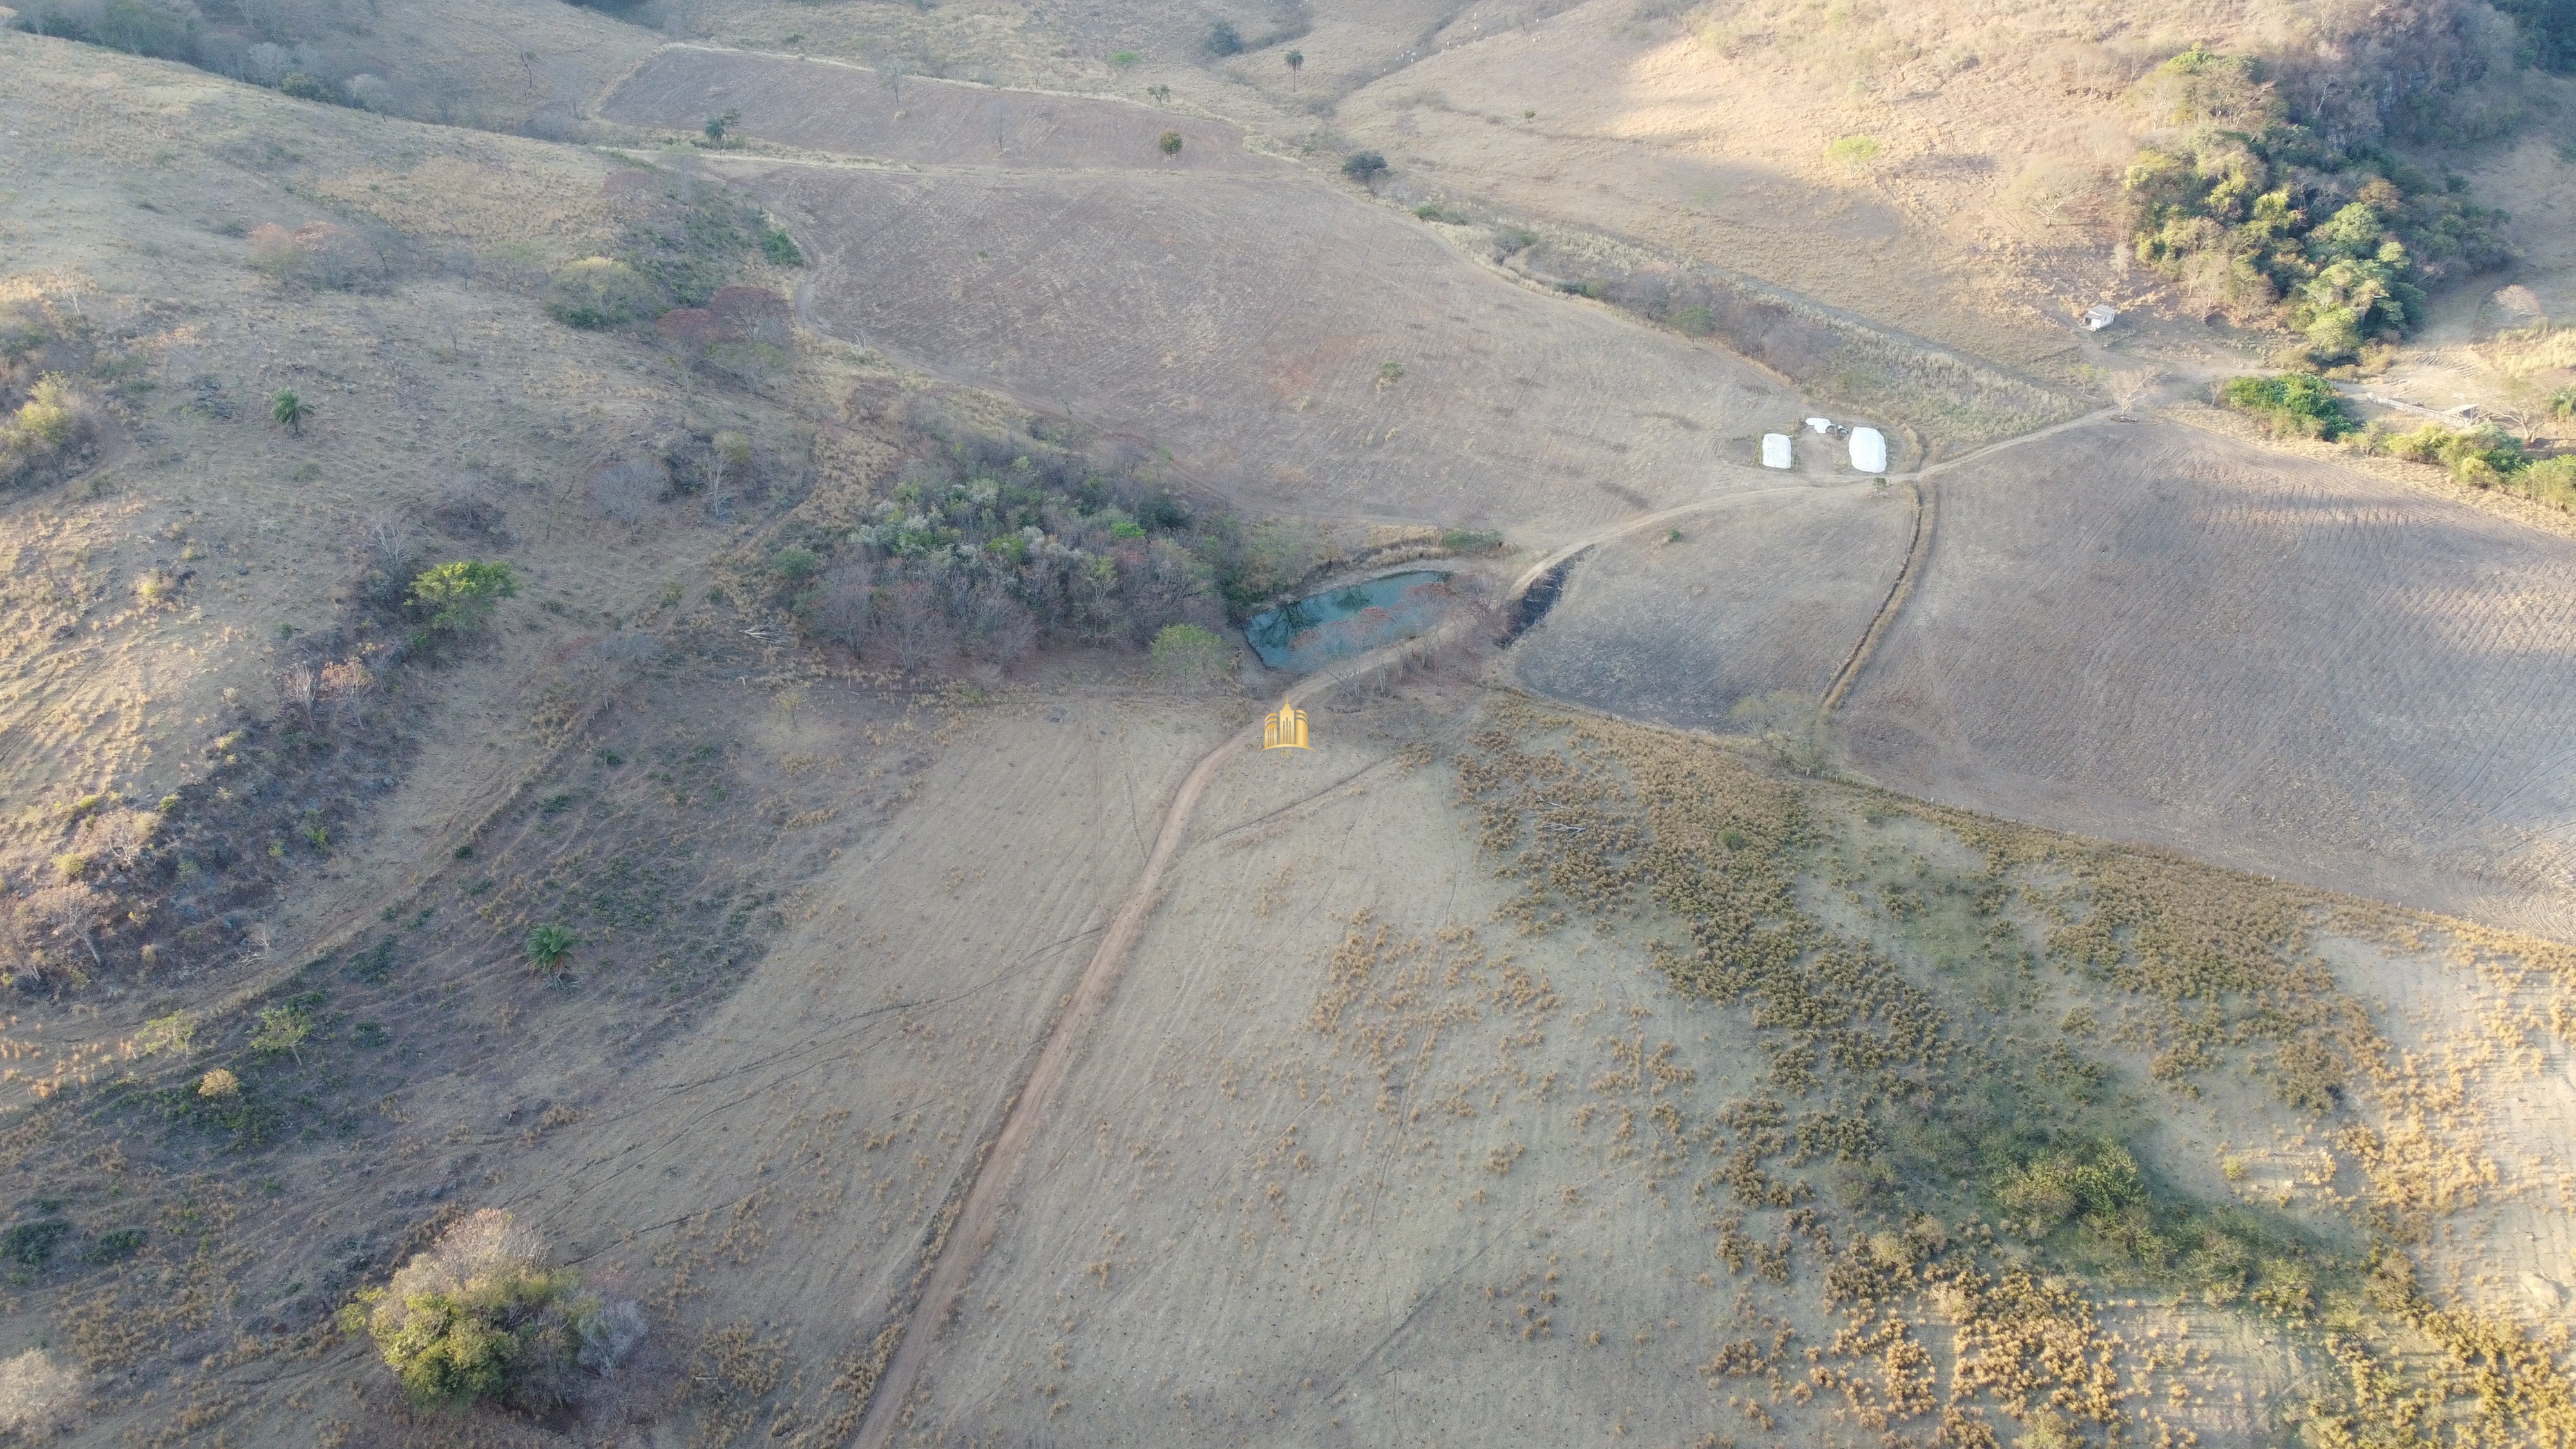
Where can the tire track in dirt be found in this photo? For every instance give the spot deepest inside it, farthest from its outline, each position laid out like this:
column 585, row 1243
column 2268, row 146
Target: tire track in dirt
column 997, row 1166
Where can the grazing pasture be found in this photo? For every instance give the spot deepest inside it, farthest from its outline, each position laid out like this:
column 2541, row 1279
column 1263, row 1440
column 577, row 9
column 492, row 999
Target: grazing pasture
column 1282, row 344
column 830, row 106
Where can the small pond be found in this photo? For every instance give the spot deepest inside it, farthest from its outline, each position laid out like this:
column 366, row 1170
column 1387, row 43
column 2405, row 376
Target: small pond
column 1351, row 620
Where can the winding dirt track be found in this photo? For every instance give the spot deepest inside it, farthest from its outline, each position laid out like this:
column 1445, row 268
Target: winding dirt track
column 997, row 1168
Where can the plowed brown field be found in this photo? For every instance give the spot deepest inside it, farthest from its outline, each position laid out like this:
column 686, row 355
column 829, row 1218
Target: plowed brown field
column 2149, row 633
column 1766, row 596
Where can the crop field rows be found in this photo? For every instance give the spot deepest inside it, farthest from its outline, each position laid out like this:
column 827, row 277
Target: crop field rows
column 2147, row 633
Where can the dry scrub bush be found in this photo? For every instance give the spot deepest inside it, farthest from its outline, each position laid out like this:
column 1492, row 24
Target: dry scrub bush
column 1930, row 1100
column 1189, row 657
column 37, row 1398
column 476, row 1319
column 319, row 254
column 54, row 431
column 597, row 292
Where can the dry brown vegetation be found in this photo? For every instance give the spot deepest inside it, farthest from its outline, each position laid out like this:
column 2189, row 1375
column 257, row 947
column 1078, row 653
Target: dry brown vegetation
column 1494, row 1071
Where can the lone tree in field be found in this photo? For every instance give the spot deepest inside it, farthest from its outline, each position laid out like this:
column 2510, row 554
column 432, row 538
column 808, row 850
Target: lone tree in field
column 1169, row 142
column 459, row 597
column 1364, row 167
column 289, row 411
column 476, row 1318
column 717, row 126
column 1296, row 62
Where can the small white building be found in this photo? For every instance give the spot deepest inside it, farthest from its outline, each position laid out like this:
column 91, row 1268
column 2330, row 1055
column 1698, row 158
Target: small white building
column 1777, row 451
column 1820, row 425
column 2099, row 316
column 1869, row 450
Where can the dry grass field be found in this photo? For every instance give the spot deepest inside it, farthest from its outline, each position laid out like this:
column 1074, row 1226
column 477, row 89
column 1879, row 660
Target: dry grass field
column 2064, row 1057
column 2148, row 633
column 825, row 106
column 1372, row 1151
column 1396, row 382
column 1748, row 602
column 1282, row 344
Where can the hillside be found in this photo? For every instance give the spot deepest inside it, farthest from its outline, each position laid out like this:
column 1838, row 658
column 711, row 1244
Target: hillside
column 637, row 811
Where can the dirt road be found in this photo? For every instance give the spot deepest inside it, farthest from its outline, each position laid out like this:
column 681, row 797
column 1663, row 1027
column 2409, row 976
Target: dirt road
column 979, row 1216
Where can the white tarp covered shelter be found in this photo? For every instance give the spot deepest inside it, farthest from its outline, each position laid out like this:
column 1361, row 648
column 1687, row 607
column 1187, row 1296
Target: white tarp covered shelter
column 2099, row 316
column 1869, row 450
column 1820, row 425
column 1776, row 451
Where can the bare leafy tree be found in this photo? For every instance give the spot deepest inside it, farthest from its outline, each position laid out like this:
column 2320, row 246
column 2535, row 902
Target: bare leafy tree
column 298, row 686
column 2129, row 388
column 843, row 603
column 116, row 838
column 913, row 625
column 37, row 1398
column 342, row 683
column 72, row 909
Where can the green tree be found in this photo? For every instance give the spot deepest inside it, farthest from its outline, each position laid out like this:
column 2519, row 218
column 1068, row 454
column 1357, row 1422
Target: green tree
column 1364, row 167
column 2297, row 403
column 1296, row 62
column 1190, row 657
column 459, row 596
column 289, row 411
column 282, row 1029
column 718, row 127
column 1169, row 143
column 475, row 1318
column 599, row 292
column 795, row 566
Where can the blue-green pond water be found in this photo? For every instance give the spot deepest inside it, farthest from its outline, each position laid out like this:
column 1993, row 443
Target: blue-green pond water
column 1351, row 620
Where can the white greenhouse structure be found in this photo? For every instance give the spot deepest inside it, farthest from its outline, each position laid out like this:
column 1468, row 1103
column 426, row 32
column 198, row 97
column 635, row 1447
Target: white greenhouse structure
column 1869, row 450
column 1777, row 452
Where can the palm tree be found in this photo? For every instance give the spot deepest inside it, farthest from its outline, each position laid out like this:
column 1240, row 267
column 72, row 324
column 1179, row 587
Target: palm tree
column 1296, row 63
column 289, row 412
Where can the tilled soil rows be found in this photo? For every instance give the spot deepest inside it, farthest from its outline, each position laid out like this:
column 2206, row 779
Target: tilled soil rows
column 2147, row 633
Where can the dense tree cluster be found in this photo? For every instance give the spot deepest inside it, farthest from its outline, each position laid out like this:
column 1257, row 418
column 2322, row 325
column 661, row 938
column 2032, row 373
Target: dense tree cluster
column 985, row 545
column 2253, row 212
